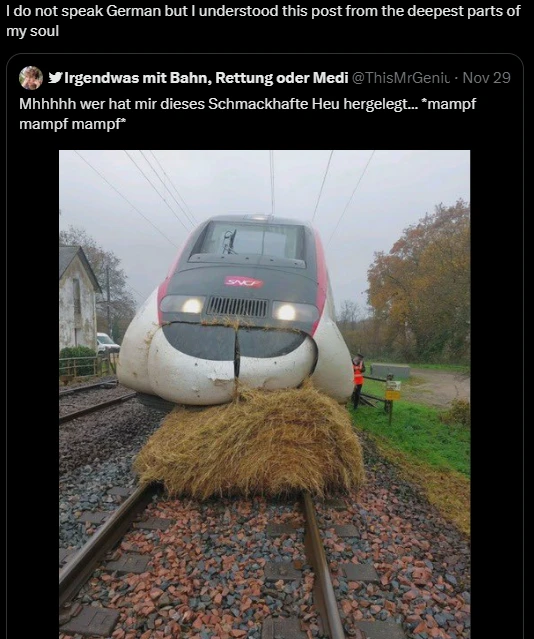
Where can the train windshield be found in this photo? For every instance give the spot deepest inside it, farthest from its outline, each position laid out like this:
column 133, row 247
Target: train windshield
column 226, row 238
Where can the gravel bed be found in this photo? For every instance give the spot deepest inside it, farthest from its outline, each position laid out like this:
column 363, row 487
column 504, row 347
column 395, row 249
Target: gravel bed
column 95, row 455
column 85, row 489
column 99, row 435
column 422, row 561
column 76, row 401
column 206, row 576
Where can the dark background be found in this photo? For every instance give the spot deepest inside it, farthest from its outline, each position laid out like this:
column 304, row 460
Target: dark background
column 493, row 132
column 284, row 34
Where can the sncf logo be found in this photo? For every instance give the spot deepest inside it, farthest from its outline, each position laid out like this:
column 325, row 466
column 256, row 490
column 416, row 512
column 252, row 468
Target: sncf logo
column 238, row 280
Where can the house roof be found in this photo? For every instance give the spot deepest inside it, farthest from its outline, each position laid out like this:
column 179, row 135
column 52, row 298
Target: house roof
column 67, row 254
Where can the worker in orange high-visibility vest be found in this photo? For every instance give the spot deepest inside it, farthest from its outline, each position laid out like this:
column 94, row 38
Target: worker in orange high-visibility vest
column 359, row 369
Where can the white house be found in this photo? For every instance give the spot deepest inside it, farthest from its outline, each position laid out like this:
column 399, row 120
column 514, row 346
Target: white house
column 78, row 287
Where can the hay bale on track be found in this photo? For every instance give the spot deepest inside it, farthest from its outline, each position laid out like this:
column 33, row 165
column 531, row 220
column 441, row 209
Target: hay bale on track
column 263, row 443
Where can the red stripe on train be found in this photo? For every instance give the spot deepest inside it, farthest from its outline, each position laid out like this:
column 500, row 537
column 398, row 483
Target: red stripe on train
column 162, row 290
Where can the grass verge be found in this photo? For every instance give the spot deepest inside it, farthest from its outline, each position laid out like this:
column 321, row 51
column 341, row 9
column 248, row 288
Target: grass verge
column 432, row 454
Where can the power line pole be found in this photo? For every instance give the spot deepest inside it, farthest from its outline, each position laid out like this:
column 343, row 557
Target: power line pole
column 108, row 304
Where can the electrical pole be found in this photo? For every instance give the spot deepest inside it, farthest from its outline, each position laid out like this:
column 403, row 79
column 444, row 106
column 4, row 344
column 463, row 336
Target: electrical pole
column 108, row 304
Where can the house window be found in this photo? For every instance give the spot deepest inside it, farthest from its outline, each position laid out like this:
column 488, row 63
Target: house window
column 77, row 297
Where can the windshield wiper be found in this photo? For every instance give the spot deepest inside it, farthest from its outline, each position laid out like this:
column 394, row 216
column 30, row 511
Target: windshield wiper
column 229, row 238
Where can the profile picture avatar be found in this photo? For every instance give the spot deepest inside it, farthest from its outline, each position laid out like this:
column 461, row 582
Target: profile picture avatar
column 31, row 78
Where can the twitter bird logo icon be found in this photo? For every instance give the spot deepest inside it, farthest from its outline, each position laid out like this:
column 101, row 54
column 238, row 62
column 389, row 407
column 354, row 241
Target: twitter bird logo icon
column 55, row 77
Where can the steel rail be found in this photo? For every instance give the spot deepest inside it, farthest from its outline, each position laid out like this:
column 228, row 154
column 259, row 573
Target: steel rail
column 79, row 568
column 79, row 389
column 324, row 595
column 91, row 409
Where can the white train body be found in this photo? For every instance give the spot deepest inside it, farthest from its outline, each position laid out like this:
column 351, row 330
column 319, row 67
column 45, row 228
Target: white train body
column 247, row 299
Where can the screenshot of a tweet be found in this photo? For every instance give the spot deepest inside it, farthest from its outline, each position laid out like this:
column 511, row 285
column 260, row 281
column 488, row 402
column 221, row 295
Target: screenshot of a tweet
column 108, row 95
column 282, row 372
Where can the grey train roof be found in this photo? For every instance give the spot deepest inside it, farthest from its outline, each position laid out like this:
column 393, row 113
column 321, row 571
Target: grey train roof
column 257, row 217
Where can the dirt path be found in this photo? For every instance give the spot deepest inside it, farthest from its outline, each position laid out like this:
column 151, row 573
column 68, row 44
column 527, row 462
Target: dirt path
column 436, row 388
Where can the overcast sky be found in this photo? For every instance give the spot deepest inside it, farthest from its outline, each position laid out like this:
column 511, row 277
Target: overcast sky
column 395, row 190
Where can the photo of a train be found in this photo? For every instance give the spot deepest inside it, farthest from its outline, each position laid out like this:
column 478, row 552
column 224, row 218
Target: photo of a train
column 248, row 298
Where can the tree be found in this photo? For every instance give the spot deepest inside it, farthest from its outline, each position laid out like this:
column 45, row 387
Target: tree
column 122, row 303
column 422, row 287
column 349, row 314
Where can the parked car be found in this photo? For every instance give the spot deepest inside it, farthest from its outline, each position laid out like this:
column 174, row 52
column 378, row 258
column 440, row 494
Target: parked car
column 106, row 344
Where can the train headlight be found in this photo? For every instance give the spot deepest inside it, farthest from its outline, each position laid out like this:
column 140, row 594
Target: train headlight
column 285, row 312
column 182, row 304
column 288, row 312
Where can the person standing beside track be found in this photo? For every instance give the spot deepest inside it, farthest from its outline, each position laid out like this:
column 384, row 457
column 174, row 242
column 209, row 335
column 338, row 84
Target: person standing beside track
column 359, row 369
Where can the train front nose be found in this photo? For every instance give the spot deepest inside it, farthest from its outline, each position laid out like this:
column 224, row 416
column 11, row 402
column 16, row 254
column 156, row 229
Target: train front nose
column 274, row 358
column 199, row 363
column 189, row 364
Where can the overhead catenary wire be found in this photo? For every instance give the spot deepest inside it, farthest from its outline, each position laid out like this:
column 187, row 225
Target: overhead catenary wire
column 174, row 187
column 132, row 289
column 350, row 199
column 141, row 297
column 126, row 199
column 271, row 157
column 155, row 189
column 189, row 219
column 322, row 185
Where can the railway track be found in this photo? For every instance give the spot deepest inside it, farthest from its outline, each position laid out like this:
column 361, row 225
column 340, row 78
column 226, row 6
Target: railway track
column 80, row 389
column 80, row 567
column 96, row 407
column 74, row 617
